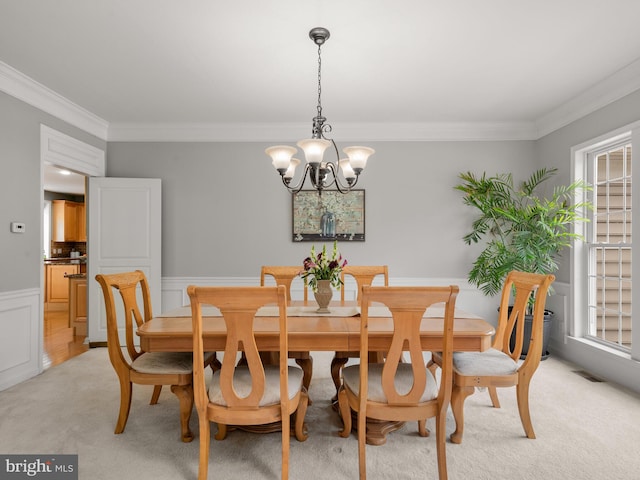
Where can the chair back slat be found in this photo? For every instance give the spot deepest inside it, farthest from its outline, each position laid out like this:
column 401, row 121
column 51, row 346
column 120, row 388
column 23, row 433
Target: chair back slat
column 283, row 275
column 515, row 306
column 238, row 306
column 408, row 306
column 128, row 284
column 363, row 275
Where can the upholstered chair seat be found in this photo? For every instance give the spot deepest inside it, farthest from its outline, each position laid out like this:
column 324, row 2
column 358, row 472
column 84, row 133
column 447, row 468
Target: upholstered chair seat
column 489, row 362
column 403, row 382
column 167, row 362
column 242, row 385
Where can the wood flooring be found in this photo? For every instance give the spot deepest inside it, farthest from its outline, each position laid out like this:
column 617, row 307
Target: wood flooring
column 59, row 342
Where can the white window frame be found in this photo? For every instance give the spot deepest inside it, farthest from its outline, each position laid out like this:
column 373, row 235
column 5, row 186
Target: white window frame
column 578, row 326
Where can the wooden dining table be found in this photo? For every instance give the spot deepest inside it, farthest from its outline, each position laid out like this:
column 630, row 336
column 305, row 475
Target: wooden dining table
column 337, row 331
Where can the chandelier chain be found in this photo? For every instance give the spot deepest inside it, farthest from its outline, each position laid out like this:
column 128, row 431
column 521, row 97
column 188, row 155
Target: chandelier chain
column 319, row 81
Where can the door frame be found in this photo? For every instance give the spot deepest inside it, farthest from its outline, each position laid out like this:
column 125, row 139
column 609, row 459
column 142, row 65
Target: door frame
column 62, row 150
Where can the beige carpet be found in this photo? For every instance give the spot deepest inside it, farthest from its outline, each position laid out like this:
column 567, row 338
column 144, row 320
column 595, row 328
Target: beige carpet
column 585, row 431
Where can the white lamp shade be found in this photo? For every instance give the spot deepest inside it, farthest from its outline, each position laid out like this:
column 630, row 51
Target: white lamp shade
column 281, row 155
column 345, row 166
column 314, row 149
column 358, row 156
column 291, row 171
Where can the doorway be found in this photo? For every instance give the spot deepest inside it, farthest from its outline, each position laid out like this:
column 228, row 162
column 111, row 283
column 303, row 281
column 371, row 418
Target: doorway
column 64, row 299
column 61, row 151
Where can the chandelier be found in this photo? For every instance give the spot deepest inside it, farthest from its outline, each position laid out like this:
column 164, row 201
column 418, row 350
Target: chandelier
column 323, row 174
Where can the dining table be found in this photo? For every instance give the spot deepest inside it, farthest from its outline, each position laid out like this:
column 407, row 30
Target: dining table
column 336, row 331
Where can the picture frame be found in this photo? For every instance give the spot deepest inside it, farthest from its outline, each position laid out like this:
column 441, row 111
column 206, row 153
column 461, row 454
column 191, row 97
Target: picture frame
column 328, row 215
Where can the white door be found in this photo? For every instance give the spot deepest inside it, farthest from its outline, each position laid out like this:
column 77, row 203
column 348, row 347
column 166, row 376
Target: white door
column 124, row 231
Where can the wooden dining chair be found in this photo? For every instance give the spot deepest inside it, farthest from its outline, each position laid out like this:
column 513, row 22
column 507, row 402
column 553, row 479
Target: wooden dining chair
column 395, row 390
column 363, row 275
column 254, row 394
column 499, row 366
column 146, row 368
column 284, row 275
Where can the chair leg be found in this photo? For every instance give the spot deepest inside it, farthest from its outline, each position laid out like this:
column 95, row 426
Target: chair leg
column 345, row 413
column 441, row 444
column 215, row 364
column 221, row 434
column 205, row 440
column 125, row 405
column 362, row 445
column 301, row 411
column 493, row 393
column 185, row 396
column 157, row 389
column 422, row 428
column 522, row 393
column 306, row 363
column 336, row 366
column 286, row 439
column 458, row 396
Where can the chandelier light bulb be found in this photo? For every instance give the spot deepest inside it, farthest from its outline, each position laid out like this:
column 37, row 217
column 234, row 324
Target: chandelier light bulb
column 281, row 155
column 347, row 170
column 358, row 157
column 314, row 149
column 291, row 171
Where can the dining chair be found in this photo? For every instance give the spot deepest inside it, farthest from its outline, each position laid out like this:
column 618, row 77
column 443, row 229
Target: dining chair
column 251, row 394
column 396, row 390
column 284, row 275
column 363, row 275
column 145, row 368
column 499, row 366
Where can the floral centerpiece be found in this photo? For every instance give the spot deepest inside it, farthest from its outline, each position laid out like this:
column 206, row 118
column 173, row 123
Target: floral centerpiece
column 322, row 267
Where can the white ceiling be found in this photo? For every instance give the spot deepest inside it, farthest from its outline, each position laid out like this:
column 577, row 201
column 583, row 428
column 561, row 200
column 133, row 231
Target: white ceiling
column 388, row 64
column 57, row 181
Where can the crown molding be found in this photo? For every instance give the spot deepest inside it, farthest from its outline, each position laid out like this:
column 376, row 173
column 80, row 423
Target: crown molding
column 621, row 83
column 18, row 85
column 290, row 132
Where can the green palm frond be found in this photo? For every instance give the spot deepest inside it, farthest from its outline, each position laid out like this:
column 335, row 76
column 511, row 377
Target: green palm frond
column 522, row 229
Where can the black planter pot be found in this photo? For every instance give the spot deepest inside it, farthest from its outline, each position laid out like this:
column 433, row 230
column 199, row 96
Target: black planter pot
column 546, row 335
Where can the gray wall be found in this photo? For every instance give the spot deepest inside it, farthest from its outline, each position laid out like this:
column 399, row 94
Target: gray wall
column 21, row 254
column 555, row 149
column 225, row 211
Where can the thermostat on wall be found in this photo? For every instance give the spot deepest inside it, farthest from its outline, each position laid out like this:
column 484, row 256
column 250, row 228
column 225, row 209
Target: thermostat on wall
column 17, row 227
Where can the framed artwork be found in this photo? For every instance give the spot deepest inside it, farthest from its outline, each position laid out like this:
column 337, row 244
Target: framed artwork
column 330, row 215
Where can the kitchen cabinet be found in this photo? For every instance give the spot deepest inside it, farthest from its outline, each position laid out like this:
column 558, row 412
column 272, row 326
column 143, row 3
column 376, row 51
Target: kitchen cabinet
column 78, row 305
column 68, row 221
column 57, row 285
column 81, row 217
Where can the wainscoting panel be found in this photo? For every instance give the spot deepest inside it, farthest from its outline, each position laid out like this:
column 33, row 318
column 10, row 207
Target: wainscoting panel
column 20, row 336
column 558, row 304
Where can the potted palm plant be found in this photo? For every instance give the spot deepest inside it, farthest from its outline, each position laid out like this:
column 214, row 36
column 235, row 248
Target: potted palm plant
column 523, row 230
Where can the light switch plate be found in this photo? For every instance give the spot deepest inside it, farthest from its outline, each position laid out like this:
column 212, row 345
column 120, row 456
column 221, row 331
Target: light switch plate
column 17, row 227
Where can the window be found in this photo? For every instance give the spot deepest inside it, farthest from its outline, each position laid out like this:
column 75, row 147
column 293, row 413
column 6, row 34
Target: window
column 608, row 244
